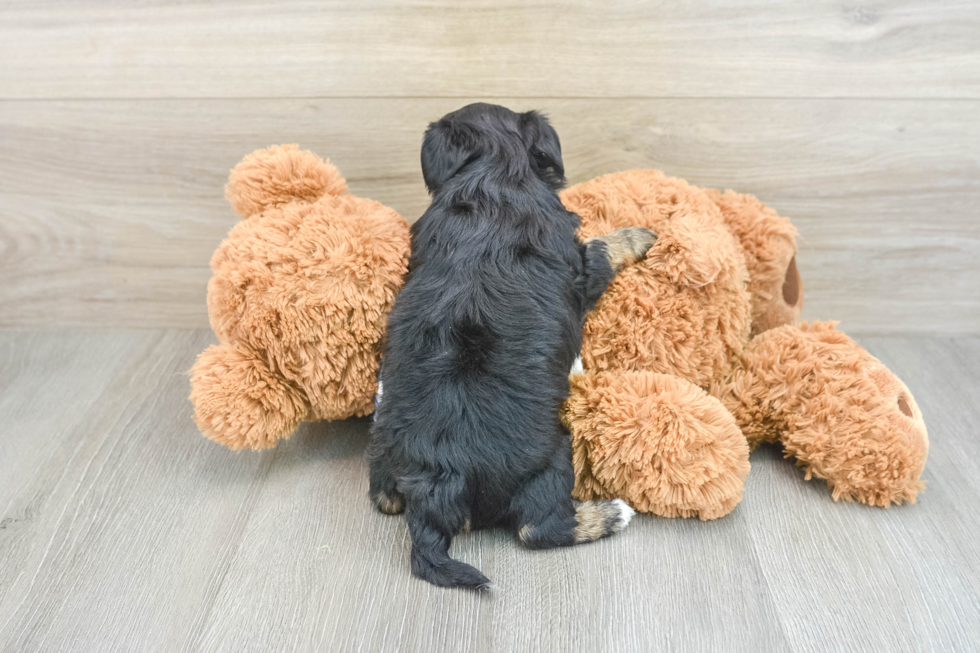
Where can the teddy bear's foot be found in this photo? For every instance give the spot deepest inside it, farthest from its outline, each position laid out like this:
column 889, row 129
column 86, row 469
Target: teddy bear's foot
column 657, row 441
column 239, row 402
column 838, row 410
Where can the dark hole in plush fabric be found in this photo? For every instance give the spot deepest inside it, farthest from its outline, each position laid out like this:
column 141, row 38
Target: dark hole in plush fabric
column 903, row 405
column 791, row 285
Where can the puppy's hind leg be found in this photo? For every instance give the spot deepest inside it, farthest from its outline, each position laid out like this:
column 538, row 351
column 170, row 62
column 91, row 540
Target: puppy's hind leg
column 547, row 517
column 382, row 490
column 436, row 513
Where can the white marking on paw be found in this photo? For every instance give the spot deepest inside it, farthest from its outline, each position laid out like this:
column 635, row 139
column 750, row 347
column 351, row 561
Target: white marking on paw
column 577, row 367
column 377, row 399
column 625, row 512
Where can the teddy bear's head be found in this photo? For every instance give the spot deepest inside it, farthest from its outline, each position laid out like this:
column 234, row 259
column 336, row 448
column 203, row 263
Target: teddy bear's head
column 768, row 243
column 299, row 297
column 685, row 310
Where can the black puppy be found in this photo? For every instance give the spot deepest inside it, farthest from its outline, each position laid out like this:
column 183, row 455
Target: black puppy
column 480, row 343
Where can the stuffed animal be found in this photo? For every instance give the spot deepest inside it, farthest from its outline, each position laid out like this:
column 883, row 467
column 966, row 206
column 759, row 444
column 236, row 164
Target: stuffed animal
column 691, row 357
column 674, row 392
column 299, row 299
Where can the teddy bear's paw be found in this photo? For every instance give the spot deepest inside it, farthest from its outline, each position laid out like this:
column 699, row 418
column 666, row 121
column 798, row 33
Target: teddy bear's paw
column 838, row 410
column 239, row 402
column 625, row 245
column 659, row 441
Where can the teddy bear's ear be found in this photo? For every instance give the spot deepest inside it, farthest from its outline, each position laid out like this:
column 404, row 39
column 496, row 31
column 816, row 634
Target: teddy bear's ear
column 769, row 243
column 696, row 250
column 278, row 175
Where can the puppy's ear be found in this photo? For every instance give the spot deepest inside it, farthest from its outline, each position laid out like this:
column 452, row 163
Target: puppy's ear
column 544, row 148
column 447, row 147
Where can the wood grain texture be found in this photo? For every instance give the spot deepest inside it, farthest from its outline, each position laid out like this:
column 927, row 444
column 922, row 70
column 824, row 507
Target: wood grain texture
column 588, row 48
column 110, row 210
column 123, row 529
column 849, row 577
column 109, row 539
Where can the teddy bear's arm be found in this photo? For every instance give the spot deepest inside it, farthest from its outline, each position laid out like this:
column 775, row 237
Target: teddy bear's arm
column 239, row 402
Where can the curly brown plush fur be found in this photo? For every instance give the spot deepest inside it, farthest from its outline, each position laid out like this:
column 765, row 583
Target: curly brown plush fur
column 837, row 409
column 299, row 298
column 769, row 245
column 691, row 356
column 679, row 323
column 661, row 443
column 684, row 310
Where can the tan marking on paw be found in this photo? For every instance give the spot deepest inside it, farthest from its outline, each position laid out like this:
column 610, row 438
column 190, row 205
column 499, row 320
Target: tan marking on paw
column 626, row 245
column 597, row 519
column 389, row 505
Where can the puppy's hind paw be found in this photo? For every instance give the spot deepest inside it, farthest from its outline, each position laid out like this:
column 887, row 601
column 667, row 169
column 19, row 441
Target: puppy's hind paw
column 597, row 519
column 389, row 504
column 625, row 513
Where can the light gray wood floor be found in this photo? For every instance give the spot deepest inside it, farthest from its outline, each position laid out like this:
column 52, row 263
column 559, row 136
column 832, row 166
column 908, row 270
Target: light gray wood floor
column 121, row 528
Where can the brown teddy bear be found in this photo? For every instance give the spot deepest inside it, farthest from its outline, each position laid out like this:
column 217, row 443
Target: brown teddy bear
column 672, row 391
column 299, row 298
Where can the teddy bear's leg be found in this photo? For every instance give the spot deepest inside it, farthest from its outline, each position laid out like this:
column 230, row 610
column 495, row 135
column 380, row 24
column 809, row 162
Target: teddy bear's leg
column 838, row 410
column 657, row 441
column 239, row 402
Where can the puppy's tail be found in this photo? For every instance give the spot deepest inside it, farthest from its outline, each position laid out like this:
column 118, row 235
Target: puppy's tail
column 434, row 565
column 434, row 515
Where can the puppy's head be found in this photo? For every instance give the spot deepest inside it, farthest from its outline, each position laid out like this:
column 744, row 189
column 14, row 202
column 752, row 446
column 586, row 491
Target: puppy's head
column 505, row 142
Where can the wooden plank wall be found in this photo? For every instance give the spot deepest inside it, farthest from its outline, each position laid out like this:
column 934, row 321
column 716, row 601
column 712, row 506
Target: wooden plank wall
column 120, row 120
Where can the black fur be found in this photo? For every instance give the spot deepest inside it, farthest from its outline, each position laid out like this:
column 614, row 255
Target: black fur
column 480, row 343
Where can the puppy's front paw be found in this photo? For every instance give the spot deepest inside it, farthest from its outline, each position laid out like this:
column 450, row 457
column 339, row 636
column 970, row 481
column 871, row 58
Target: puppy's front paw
column 625, row 245
column 636, row 242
